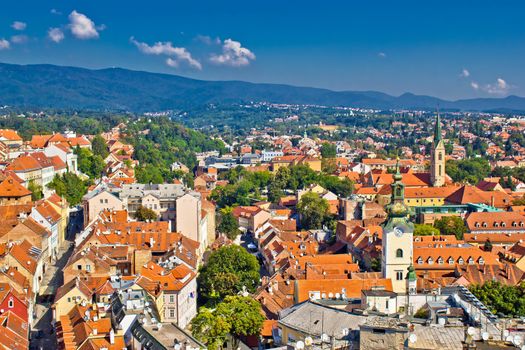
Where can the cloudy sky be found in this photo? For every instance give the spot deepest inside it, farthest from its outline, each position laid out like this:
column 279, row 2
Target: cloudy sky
column 450, row 49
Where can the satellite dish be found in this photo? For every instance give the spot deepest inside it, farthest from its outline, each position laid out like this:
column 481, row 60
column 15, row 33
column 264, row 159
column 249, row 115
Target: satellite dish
column 308, row 341
column 412, row 338
column 471, row 331
column 517, row 340
column 299, row 345
column 506, row 333
column 485, row 336
column 442, row 321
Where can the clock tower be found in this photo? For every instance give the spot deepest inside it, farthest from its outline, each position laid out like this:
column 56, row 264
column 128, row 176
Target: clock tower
column 397, row 238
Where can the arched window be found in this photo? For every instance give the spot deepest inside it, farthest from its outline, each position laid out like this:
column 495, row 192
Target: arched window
column 440, row 156
column 399, row 253
column 440, row 170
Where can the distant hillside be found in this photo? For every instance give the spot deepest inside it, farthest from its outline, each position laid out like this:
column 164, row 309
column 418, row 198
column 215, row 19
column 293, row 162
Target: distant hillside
column 121, row 89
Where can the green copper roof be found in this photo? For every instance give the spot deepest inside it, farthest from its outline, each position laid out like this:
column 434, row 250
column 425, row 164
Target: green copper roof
column 411, row 273
column 437, row 129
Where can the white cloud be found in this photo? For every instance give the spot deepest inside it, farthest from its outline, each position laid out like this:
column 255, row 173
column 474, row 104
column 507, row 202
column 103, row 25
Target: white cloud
column 381, row 54
column 19, row 39
column 4, row 44
column 55, row 35
column 500, row 87
column 208, row 40
column 176, row 54
column 172, row 63
column 465, row 73
column 17, row 25
column 82, row 27
column 233, row 54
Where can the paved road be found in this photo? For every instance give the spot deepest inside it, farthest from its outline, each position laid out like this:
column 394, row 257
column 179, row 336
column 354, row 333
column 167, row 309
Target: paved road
column 43, row 321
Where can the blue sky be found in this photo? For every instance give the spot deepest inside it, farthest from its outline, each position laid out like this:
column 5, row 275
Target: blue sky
column 450, row 49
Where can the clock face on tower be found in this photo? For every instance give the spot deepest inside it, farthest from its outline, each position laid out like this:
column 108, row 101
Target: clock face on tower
column 398, row 231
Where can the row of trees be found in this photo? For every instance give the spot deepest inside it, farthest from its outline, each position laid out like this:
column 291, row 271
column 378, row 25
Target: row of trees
column 247, row 187
column 501, row 298
column 447, row 225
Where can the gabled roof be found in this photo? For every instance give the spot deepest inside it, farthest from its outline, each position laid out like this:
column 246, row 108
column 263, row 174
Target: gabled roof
column 504, row 220
column 12, row 188
column 58, row 163
column 22, row 253
column 69, row 286
column 42, row 159
column 10, row 134
column 14, row 332
column 471, row 194
column 48, row 212
column 24, row 163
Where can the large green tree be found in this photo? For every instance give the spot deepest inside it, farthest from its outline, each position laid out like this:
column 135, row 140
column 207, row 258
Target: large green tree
column 36, row 190
column 210, row 328
column 228, row 224
column 99, row 147
column 244, row 313
column 314, row 211
column 90, row 164
column 328, row 150
column 144, row 214
column 451, row 225
column 425, row 230
column 69, row 186
column 238, row 316
column 229, row 270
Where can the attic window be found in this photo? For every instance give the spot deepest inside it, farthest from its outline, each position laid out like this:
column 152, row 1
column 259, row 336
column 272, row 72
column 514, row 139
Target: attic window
column 440, row 260
column 521, row 223
column 496, row 224
column 514, row 224
column 481, row 261
column 420, row 260
column 461, row 261
column 430, row 261
column 503, row 224
column 470, row 260
column 477, row 224
column 485, row 224
column 451, row 260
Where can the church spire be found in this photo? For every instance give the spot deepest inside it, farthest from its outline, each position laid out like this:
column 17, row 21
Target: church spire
column 437, row 129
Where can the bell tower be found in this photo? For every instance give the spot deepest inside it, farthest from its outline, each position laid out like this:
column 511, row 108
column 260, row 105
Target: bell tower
column 397, row 238
column 437, row 157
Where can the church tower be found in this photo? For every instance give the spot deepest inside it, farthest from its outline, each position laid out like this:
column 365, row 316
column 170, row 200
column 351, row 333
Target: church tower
column 397, row 239
column 437, row 157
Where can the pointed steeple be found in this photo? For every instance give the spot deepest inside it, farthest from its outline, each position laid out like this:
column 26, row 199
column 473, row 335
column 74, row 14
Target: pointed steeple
column 437, row 130
column 397, row 176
